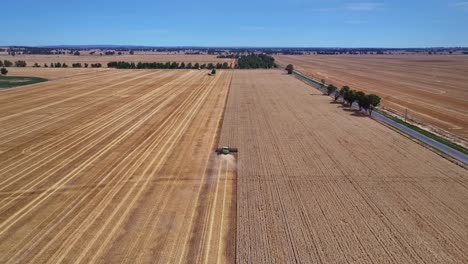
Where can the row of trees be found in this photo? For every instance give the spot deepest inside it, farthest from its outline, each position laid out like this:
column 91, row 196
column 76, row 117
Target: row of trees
column 20, row 63
column 368, row 102
column 253, row 61
column 167, row 65
column 7, row 63
column 64, row 65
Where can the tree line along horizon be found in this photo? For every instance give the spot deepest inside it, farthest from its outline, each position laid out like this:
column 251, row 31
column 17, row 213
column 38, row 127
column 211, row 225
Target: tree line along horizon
column 368, row 102
column 251, row 61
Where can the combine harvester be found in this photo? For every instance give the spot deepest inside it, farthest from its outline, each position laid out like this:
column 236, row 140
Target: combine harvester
column 225, row 150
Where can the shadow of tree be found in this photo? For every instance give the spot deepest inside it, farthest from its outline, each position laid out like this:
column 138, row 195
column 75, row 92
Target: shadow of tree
column 353, row 111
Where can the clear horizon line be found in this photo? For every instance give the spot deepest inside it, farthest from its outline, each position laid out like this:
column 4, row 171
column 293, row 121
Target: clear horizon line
column 236, row 47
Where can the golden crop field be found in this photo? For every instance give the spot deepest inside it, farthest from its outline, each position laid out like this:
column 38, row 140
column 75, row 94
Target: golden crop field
column 116, row 166
column 86, row 58
column 432, row 88
column 318, row 183
column 106, row 165
column 54, row 73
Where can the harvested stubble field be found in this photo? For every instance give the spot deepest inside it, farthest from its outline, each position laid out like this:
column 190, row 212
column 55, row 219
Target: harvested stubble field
column 70, row 59
column 319, row 184
column 432, row 88
column 116, row 166
column 54, row 73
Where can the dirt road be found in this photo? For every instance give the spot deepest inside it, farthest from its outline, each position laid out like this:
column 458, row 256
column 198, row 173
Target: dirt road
column 432, row 88
column 116, row 166
column 320, row 184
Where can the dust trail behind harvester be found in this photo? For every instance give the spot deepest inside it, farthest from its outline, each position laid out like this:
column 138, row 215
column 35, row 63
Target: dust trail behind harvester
column 218, row 212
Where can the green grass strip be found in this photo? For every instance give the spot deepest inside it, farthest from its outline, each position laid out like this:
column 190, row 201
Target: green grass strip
column 14, row 81
column 428, row 134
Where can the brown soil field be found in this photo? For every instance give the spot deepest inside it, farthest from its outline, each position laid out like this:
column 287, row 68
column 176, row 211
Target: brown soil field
column 319, row 183
column 116, row 166
column 70, row 59
column 433, row 88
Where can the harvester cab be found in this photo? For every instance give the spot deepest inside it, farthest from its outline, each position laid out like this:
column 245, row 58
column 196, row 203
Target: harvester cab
column 225, row 150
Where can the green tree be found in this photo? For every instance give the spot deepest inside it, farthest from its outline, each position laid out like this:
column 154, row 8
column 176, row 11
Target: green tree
column 76, row 53
column 189, row 66
column 36, row 65
column 1, row 63
column 374, row 101
column 210, row 66
column 363, row 100
column 290, row 68
column 360, row 95
column 132, row 52
column 182, row 65
column 196, row 66
column 343, row 91
column 7, row 63
column 86, row 65
column 213, row 71
column 351, row 97
column 3, row 71
column 64, row 65
column 46, row 66
column 256, row 61
column 331, row 89
column 20, row 63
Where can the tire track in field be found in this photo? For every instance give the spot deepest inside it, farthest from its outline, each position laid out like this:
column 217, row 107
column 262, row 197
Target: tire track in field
column 164, row 203
column 113, row 192
column 64, row 180
column 100, row 124
column 171, row 142
column 31, row 127
column 36, row 95
column 191, row 222
column 172, row 97
column 167, row 188
column 67, row 206
column 120, row 83
column 65, row 100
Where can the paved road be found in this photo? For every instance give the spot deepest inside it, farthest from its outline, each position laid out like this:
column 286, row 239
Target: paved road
column 429, row 141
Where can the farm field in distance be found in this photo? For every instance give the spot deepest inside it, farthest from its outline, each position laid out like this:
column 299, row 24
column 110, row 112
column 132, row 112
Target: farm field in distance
column 318, row 183
column 432, row 88
column 116, row 166
column 86, row 58
column 54, row 73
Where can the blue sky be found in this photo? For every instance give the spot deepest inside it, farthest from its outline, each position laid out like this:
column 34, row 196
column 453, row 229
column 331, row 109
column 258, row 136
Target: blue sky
column 272, row 23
